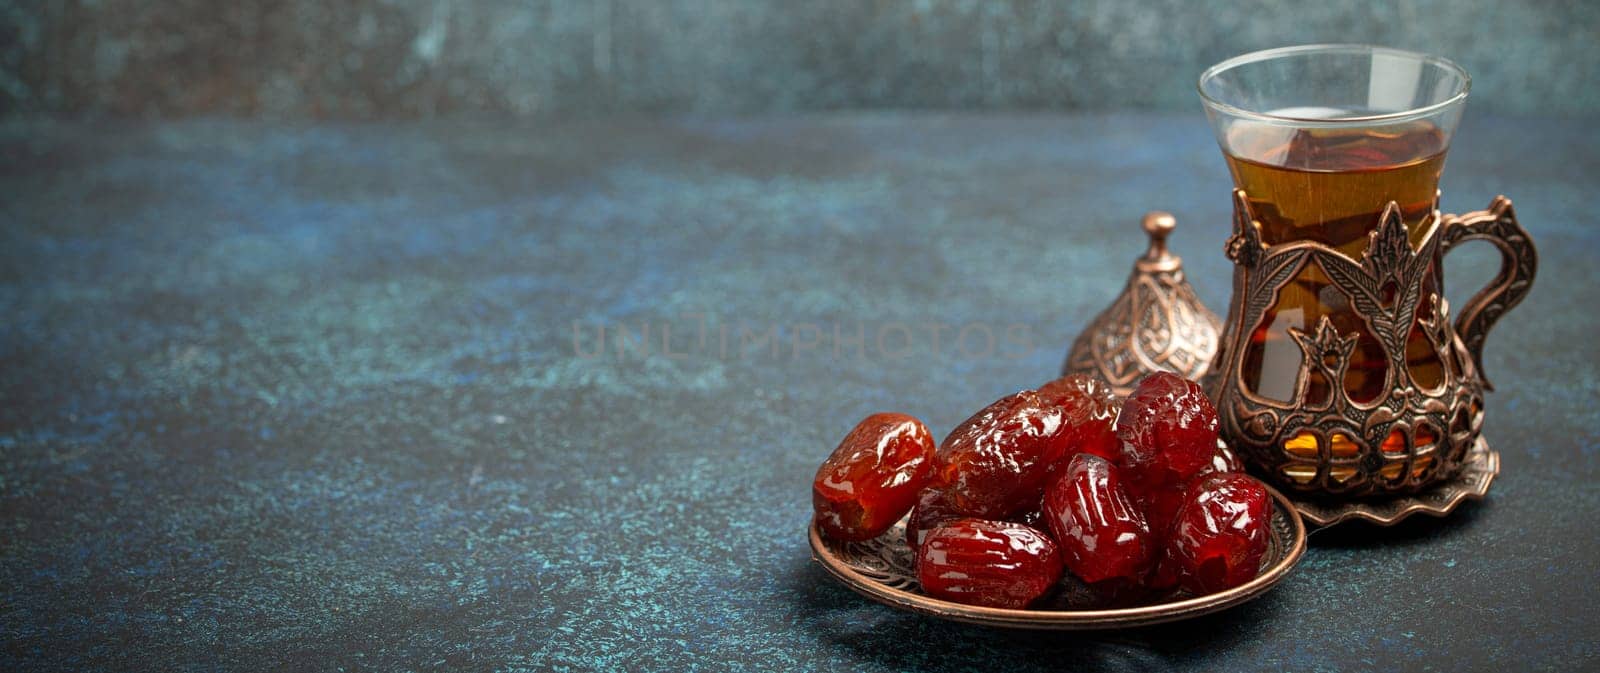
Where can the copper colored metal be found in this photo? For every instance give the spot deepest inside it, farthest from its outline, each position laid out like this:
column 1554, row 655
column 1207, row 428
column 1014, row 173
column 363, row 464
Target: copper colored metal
column 1471, row 483
column 1156, row 324
column 1258, row 428
column 884, row 569
column 1519, row 261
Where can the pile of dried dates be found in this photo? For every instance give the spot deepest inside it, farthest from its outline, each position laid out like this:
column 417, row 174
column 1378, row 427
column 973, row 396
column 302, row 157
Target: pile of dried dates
column 1133, row 501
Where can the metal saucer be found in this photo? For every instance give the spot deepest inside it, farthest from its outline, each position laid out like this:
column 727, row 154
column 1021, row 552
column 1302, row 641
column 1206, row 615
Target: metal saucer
column 883, row 569
column 1478, row 471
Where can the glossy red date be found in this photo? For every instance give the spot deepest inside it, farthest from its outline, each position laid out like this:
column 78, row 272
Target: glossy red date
column 1219, row 535
column 1101, row 533
column 873, row 477
column 1090, row 409
column 988, row 563
column 997, row 462
column 1168, row 430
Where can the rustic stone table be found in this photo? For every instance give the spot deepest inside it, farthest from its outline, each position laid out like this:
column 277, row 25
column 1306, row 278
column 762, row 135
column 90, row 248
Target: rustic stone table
column 374, row 396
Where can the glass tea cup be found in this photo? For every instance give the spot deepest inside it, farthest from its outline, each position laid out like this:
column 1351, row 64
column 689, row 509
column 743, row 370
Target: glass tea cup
column 1342, row 371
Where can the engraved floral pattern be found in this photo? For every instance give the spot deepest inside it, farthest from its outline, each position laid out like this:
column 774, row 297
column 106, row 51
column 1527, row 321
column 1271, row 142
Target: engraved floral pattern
column 1385, row 289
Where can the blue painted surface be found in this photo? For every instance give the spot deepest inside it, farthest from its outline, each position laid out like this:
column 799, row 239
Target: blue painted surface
column 381, row 59
column 308, row 397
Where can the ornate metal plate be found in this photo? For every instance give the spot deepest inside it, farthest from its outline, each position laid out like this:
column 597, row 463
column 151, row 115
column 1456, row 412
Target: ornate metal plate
column 1472, row 483
column 883, row 569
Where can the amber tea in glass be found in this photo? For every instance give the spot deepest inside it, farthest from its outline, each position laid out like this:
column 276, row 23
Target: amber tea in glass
column 1339, row 371
column 1330, row 185
column 1320, row 162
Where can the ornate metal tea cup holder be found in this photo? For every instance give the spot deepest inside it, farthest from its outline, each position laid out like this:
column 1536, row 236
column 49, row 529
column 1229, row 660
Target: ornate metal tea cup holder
column 1480, row 467
column 884, row 570
column 1406, row 445
column 1158, row 323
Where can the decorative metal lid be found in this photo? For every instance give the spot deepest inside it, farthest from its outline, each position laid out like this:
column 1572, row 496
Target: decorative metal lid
column 1156, row 324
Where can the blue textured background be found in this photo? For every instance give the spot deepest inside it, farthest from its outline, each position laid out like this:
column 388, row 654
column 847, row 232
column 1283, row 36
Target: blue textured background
column 307, row 396
column 580, row 58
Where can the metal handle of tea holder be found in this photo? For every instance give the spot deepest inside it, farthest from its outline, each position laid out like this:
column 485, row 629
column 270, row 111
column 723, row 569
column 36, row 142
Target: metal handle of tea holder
column 1519, row 261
